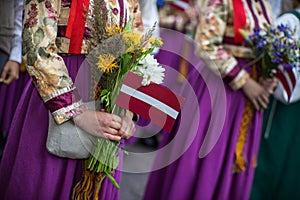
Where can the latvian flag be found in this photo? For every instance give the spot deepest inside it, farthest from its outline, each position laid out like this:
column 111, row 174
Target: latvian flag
column 153, row 102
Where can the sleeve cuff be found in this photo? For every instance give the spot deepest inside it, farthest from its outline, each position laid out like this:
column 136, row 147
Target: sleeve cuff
column 239, row 80
column 16, row 54
column 65, row 106
column 67, row 113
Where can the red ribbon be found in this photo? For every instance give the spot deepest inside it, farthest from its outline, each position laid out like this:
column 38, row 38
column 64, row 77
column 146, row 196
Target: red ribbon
column 76, row 24
column 239, row 20
column 284, row 82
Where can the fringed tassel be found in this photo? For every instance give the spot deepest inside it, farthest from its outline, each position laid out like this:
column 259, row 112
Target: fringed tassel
column 89, row 186
column 254, row 163
column 97, row 185
column 183, row 71
column 240, row 162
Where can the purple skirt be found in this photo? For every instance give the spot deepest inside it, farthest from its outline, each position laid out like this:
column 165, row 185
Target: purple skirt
column 27, row 170
column 9, row 99
column 195, row 161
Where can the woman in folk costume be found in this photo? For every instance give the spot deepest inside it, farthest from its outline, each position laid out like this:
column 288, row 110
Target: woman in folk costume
column 226, row 170
column 278, row 161
column 28, row 170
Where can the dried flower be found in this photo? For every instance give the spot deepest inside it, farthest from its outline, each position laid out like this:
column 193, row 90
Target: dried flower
column 106, row 63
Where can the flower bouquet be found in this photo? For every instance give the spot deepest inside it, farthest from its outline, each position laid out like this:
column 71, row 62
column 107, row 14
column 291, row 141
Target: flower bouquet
column 115, row 50
column 273, row 47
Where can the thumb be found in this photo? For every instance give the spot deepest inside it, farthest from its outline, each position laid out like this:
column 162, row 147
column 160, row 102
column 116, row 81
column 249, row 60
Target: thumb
column 4, row 74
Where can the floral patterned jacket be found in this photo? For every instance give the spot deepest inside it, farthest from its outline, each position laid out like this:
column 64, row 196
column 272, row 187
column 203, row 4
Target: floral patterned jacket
column 42, row 44
column 215, row 34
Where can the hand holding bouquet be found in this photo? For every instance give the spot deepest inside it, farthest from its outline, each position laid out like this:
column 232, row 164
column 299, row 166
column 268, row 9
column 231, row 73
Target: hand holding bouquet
column 273, row 47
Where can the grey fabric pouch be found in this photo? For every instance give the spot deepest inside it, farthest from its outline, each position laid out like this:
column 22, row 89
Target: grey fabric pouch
column 68, row 140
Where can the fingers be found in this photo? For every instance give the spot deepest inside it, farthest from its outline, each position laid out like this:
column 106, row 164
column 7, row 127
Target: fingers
column 112, row 137
column 269, row 84
column 4, row 74
column 11, row 78
column 262, row 104
column 110, row 123
column 127, row 129
column 256, row 104
column 273, row 85
column 263, row 100
column 114, row 127
column 127, row 132
column 123, row 127
column 10, row 72
column 260, row 100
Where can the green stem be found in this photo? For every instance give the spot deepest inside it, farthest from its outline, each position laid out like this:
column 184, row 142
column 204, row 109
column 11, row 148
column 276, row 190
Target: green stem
column 113, row 180
column 252, row 62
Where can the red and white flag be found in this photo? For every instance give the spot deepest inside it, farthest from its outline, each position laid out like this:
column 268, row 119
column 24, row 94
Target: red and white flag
column 153, row 102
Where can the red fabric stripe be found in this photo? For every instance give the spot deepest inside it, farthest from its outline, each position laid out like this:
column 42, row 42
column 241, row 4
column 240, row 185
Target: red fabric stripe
column 156, row 91
column 284, row 82
column 78, row 27
column 149, row 112
column 62, row 101
column 292, row 77
column 71, row 19
column 232, row 74
column 228, row 40
column 239, row 20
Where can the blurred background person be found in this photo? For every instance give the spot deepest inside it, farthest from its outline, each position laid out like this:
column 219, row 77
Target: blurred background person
column 276, row 176
column 227, row 171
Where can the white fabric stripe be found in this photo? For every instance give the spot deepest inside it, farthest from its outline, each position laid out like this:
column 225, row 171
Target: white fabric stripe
column 181, row 4
column 58, row 93
column 230, row 67
column 63, row 110
column 149, row 100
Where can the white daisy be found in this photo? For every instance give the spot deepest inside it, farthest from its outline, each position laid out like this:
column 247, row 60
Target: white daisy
column 151, row 70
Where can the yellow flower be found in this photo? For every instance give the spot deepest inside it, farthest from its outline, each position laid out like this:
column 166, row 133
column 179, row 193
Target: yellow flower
column 152, row 40
column 132, row 40
column 157, row 42
column 111, row 30
column 106, row 63
column 160, row 42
